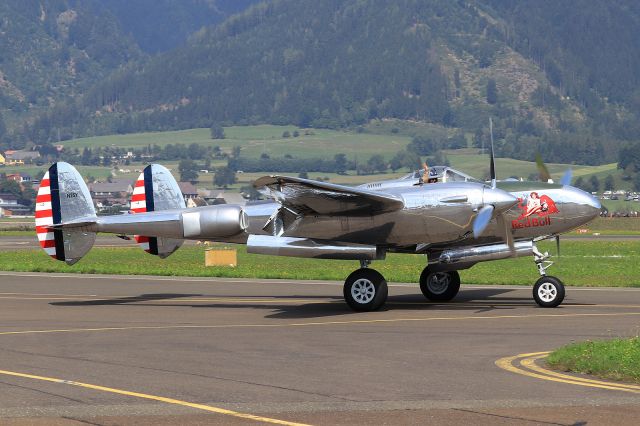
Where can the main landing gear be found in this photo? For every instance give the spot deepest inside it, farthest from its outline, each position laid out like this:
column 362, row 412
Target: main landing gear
column 548, row 291
column 366, row 289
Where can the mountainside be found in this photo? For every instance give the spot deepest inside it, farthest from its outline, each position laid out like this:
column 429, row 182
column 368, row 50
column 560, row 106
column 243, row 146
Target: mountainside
column 160, row 25
column 558, row 77
column 53, row 49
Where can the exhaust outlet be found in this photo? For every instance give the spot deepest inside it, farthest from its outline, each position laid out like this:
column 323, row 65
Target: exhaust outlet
column 306, row 247
column 484, row 253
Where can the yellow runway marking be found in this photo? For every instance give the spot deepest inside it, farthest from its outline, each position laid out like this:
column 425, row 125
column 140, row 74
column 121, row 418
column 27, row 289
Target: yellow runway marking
column 197, row 406
column 531, row 369
column 321, row 323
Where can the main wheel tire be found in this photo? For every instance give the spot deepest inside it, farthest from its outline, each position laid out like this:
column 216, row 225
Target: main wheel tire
column 365, row 290
column 548, row 292
column 439, row 286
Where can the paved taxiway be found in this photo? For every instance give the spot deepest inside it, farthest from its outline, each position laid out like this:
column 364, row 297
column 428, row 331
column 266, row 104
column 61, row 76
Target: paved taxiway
column 141, row 350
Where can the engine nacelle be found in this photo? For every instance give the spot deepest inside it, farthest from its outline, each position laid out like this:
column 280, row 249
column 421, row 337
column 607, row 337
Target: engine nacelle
column 213, row 222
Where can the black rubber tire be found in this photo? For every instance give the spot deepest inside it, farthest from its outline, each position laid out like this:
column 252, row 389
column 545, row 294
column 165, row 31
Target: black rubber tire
column 366, row 303
column 553, row 285
column 451, row 290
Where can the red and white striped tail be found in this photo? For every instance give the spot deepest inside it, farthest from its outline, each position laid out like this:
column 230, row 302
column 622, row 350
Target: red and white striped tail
column 64, row 201
column 139, row 205
column 156, row 190
column 44, row 219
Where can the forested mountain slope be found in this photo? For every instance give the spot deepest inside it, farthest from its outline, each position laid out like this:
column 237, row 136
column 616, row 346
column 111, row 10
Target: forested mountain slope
column 55, row 49
column 160, row 25
column 558, row 77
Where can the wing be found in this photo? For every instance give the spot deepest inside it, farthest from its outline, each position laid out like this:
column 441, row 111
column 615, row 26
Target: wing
column 312, row 197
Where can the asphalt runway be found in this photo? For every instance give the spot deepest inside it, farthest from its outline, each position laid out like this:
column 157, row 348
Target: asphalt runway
column 159, row 350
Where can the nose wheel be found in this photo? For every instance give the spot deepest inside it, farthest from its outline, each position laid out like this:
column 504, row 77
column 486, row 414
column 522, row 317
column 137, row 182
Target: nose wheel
column 548, row 291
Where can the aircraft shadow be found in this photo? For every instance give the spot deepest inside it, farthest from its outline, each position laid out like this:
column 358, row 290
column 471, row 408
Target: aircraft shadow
column 124, row 300
column 472, row 300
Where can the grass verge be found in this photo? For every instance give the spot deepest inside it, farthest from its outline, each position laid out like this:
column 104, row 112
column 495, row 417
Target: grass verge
column 618, row 265
column 617, row 359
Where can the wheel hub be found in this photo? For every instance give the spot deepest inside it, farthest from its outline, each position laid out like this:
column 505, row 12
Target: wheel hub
column 547, row 292
column 363, row 291
column 438, row 282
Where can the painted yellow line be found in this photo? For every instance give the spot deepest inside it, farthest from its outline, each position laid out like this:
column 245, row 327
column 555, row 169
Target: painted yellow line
column 530, row 363
column 197, row 406
column 507, row 364
column 321, row 323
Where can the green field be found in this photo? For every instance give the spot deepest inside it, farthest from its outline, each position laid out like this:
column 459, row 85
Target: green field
column 255, row 140
column 322, row 143
column 618, row 264
column 617, row 359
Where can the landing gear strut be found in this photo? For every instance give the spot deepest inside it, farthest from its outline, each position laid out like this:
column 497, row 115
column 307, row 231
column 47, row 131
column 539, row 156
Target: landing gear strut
column 365, row 290
column 548, row 291
column 439, row 286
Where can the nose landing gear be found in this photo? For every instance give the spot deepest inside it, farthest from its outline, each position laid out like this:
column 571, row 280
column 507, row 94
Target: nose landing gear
column 548, row 291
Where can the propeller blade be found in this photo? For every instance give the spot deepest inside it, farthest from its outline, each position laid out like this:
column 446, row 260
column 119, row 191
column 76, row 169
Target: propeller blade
column 542, row 169
column 566, row 178
column 492, row 164
column 558, row 245
column 507, row 236
column 482, row 220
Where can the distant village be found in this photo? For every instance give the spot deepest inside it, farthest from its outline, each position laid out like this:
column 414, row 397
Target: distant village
column 18, row 190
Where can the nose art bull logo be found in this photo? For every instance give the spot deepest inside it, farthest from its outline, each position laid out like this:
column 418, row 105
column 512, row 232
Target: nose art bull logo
column 535, row 211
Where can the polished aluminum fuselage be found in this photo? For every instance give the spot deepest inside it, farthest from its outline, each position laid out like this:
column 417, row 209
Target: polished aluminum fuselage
column 436, row 215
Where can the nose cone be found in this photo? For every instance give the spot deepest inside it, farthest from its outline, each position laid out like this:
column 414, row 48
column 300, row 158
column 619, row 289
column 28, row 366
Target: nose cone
column 587, row 206
column 501, row 200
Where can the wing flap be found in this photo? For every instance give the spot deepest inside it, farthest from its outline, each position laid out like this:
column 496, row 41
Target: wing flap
column 312, row 197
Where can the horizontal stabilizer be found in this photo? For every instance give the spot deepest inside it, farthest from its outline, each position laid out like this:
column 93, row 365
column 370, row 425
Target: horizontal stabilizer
column 312, row 197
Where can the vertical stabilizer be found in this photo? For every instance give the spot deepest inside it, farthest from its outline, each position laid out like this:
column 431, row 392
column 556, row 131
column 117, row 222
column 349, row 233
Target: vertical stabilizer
column 156, row 190
column 63, row 197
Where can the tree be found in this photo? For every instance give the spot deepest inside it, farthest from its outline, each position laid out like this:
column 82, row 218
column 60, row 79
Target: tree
column 376, row 163
column 217, row 132
column 492, row 92
column 11, row 187
column 224, row 177
column 188, row 170
column 235, row 152
column 594, row 183
column 609, row 183
column 3, row 128
column 341, row 163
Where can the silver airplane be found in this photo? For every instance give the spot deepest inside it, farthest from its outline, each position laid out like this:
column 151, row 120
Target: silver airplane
column 453, row 219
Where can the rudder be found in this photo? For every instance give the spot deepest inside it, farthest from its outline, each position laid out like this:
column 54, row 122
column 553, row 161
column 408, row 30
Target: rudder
column 63, row 197
column 156, row 190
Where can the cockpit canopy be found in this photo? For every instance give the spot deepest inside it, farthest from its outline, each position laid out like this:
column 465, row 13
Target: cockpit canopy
column 441, row 174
